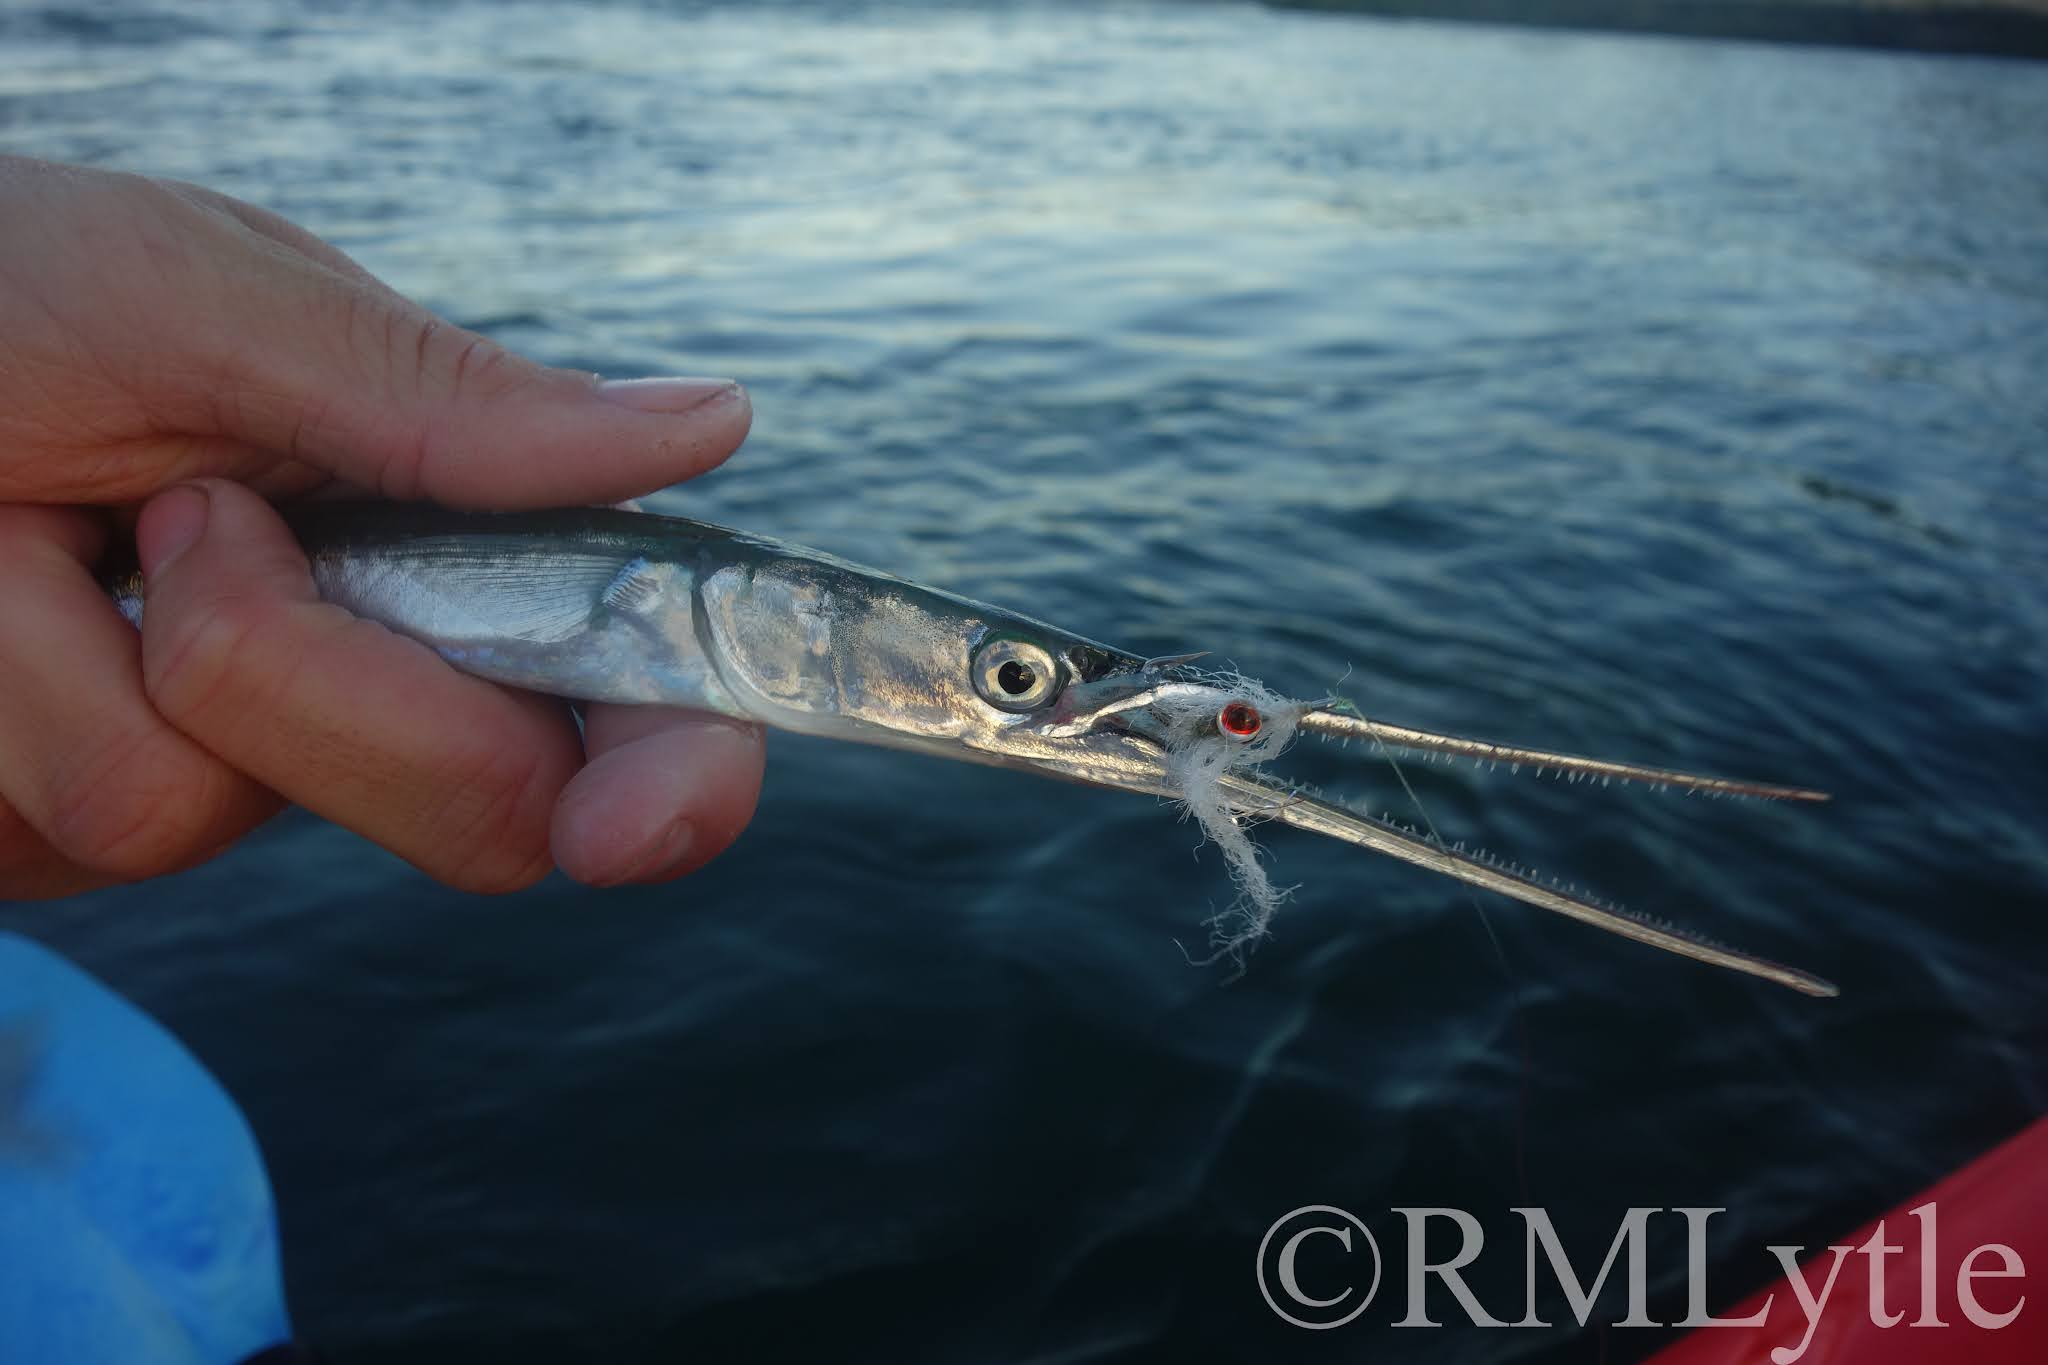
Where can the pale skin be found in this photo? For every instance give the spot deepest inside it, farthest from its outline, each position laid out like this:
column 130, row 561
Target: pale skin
column 175, row 360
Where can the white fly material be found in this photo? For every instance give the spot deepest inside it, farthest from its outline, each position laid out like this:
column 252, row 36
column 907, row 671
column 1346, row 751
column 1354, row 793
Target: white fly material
column 1200, row 750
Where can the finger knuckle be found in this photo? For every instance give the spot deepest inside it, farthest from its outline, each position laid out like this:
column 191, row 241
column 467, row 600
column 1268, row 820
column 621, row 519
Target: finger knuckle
column 138, row 806
column 208, row 671
column 427, row 366
column 495, row 830
column 39, row 872
column 19, row 840
column 481, row 368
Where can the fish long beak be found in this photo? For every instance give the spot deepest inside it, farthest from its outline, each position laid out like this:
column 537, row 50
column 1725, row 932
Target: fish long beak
column 1347, row 724
column 1253, row 797
column 1120, row 743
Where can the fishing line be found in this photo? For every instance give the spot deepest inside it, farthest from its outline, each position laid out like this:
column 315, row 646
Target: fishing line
column 1507, row 968
column 1485, row 921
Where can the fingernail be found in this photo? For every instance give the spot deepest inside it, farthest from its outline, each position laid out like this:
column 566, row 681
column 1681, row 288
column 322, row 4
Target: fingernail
column 169, row 526
column 666, row 395
column 670, row 852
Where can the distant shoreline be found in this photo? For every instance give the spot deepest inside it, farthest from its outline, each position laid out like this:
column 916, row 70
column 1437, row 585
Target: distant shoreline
column 1998, row 30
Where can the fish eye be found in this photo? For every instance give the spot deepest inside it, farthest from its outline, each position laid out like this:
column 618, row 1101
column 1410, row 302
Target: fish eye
column 1015, row 675
column 1239, row 720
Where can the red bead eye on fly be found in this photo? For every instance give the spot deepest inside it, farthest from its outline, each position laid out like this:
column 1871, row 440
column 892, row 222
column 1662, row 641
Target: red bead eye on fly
column 1239, row 719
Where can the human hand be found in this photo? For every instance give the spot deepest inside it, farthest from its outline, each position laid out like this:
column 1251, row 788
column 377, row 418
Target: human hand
column 168, row 348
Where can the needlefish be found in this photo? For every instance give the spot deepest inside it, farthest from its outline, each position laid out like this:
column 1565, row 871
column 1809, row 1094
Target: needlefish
column 610, row 605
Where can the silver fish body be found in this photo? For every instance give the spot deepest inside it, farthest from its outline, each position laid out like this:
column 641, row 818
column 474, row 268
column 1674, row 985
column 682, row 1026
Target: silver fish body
column 606, row 605
column 600, row 604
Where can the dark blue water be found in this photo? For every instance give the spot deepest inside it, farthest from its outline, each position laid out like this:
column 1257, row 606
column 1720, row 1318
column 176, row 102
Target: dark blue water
column 1676, row 401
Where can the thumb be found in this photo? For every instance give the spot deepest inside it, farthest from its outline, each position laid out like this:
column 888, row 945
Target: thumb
column 332, row 368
